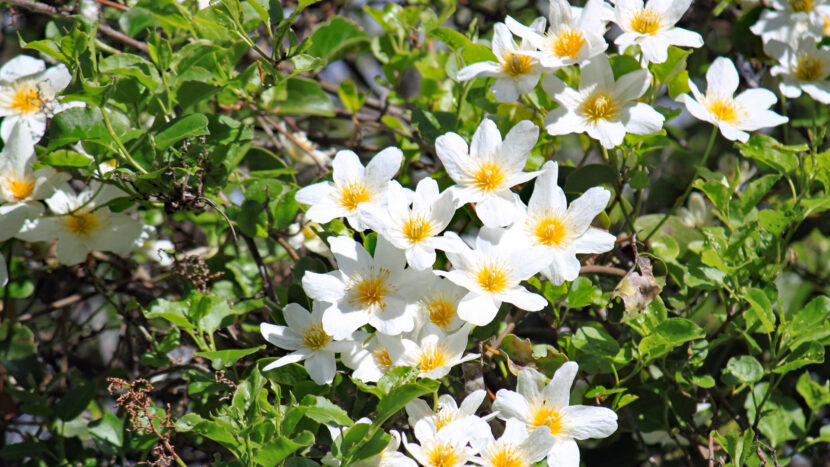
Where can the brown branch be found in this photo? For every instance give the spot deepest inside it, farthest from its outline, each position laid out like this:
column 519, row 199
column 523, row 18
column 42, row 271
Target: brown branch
column 45, row 9
column 603, row 270
column 263, row 270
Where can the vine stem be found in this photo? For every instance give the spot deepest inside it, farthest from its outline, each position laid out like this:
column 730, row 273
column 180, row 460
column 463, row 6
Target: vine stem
column 682, row 200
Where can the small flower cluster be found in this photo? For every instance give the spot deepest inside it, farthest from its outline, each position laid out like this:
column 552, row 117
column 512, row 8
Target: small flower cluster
column 539, row 423
column 607, row 108
column 80, row 222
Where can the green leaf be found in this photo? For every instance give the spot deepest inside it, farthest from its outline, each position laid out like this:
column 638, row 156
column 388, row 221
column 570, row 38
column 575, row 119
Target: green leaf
column 454, row 39
column 322, row 410
column 774, row 222
column 129, row 65
column 808, row 353
column 75, row 401
column 582, row 292
column 274, row 452
column 678, row 85
column 252, row 219
column 220, row 359
column 399, row 397
column 674, row 65
column 816, row 395
column 624, row 64
column 761, row 308
column 136, row 19
column 352, row 99
column 335, row 38
column 756, row 191
column 303, row 97
column 769, row 151
column 810, row 323
column 187, row 126
column 679, row 330
column 175, row 312
column 66, row 158
column 745, row 369
column 84, row 124
column 108, row 428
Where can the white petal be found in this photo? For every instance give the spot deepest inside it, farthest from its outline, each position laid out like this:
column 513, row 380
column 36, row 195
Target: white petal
column 519, row 142
column 384, row 166
column 558, row 391
column 642, row 119
column 505, row 90
column 632, row 85
column 454, row 154
column 486, row 139
column 590, row 422
column 293, row 357
column 683, row 38
column 510, row 404
column 321, row 366
column 479, row 70
column 523, row 299
column 722, row 77
column 296, row 317
column 22, row 65
column 584, row 209
column 281, row 336
column 564, row 453
column 594, row 241
column 346, row 167
column 497, row 211
column 609, row 134
column 478, row 309
column 326, row 287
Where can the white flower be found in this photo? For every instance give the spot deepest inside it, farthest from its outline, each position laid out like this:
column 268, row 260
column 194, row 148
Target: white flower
column 389, row 457
column 803, row 68
column 309, row 342
column 18, row 182
column 486, row 170
column 574, row 35
column 652, row 27
column 697, row 213
column 492, row 272
column 517, row 72
column 449, row 412
column 13, row 217
column 366, row 290
column 82, row 224
column 564, row 230
column 516, row 447
column 28, row 94
column 790, row 20
column 602, row 107
column 352, row 186
column 537, row 404
column 369, row 357
column 149, row 245
column 307, row 236
column 435, row 352
column 413, row 230
column 734, row 116
column 446, row 448
column 439, row 304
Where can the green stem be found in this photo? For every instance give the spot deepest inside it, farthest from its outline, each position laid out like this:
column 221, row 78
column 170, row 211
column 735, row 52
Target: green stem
column 122, row 149
column 682, row 200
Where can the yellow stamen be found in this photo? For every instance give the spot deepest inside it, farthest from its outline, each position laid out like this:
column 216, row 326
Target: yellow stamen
column 443, row 454
column 516, row 65
column 646, row 21
column 542, row 414
column 808, row 68
column 370, row 291
column 382, row 358
column 417, row 228
column 504, row 454
column 441, row 310
column 551, row 230
column 723, row 108
column 21, row 188
column 444, row 417
column 490, row 176
column 599, row 106
column 314, row 337
column 26, row 98
column 81, row 224
column 800, row 6
column 433, row 356
column 566, row 43
column 352, row 194
column 493, row 277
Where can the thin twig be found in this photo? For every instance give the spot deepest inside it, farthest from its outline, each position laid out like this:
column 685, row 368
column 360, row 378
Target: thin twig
column 603, row 270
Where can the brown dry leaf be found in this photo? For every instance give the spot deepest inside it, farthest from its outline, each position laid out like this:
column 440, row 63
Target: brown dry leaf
column 638, row 289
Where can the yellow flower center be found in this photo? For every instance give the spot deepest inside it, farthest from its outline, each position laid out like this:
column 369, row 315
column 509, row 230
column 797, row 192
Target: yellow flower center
column 21, row 188
column 81, row 224
column 314, row 337
column 646, row 21
column 382, row 358
column 444, row 417
column 441, row 310
column 26, row 98
column 566, row 43
column 800, row 6
column 493, row 277
column 504, row 454
column 352, row 194
column 808, row 68
column 490, row 176
column 417, row 228
column 516, row 64
column 723, row 108
column 370, row 291
column 826, row 21
column 542, row 414
column 432, row 357
column 443, row 454
column 551, row 230
column 599, row 106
